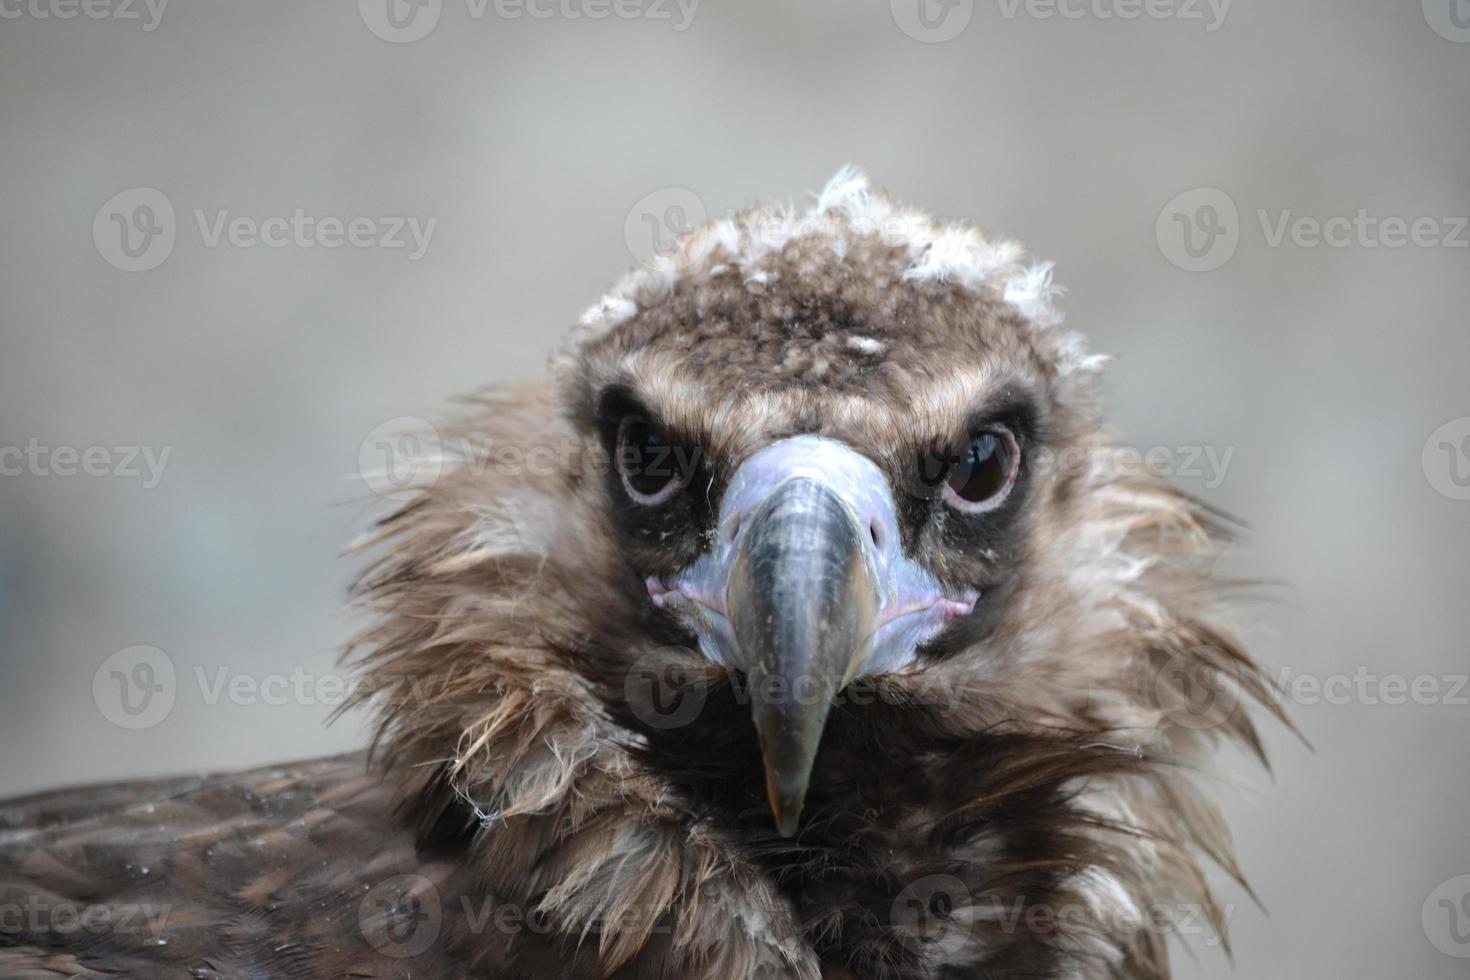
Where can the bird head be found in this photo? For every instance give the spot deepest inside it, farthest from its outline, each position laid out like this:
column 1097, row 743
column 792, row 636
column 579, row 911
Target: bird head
column 842, row 471
column 823, row 439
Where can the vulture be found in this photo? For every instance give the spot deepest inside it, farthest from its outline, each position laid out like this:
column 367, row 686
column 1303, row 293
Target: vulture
column 806, row 622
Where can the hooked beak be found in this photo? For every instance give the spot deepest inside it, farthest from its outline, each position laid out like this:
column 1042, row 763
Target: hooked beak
column 805, row 587
column 801, row 599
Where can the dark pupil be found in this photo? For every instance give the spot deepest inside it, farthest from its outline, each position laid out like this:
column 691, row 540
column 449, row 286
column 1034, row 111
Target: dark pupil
column 647, row 459
column 981, row 473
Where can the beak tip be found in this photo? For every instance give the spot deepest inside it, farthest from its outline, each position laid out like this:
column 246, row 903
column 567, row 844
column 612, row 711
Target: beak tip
column 786, row 808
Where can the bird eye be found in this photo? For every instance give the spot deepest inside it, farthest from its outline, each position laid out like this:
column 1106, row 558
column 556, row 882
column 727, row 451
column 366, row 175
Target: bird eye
column 647, row 462
column 982, row 476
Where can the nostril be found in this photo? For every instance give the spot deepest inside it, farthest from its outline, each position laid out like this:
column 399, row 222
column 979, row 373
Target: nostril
column 875, row 531
column 733, row 527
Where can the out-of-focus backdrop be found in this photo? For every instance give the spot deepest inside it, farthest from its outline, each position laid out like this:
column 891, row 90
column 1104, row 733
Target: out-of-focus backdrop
column 239, row 240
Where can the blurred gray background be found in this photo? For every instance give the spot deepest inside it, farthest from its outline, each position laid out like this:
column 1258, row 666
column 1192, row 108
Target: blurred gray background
column 546, row 149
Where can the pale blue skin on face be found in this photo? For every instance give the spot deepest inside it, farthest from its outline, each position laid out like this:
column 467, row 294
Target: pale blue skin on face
column 912, row 606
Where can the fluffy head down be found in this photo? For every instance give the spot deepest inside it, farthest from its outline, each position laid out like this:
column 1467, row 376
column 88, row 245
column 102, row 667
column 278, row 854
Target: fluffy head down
column 1043, row 754
column 853, row 242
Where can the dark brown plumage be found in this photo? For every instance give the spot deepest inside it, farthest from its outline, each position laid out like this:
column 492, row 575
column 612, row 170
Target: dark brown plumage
column 1017, row 671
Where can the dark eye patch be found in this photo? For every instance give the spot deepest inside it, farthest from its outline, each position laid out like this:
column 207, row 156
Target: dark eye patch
column 664, row 530
column 980, row 549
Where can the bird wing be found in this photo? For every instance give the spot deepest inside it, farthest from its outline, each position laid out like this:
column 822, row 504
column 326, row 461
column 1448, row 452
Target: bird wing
column 297, row 871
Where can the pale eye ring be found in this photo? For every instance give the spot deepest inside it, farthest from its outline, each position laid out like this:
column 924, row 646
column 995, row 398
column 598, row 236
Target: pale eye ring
column 981, row 478
column 648, row 464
